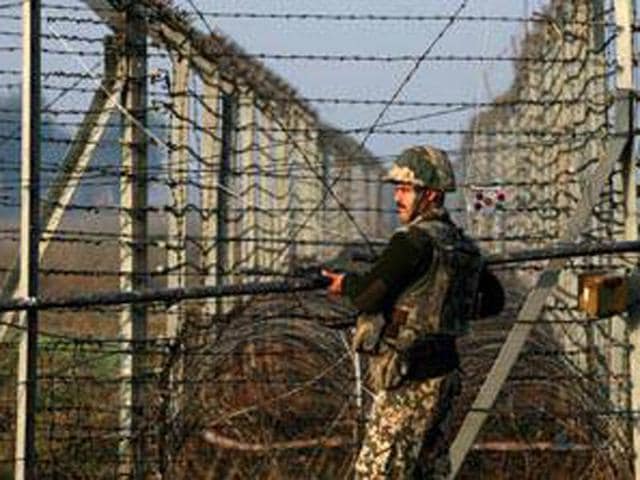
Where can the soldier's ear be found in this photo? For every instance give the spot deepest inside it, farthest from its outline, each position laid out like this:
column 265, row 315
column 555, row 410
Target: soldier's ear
column 432, row 195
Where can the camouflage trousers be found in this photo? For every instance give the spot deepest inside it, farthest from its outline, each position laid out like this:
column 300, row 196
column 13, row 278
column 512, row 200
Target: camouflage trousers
column 407, row 433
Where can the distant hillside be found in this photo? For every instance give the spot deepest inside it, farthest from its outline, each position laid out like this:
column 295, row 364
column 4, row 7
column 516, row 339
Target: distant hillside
column 99, row 186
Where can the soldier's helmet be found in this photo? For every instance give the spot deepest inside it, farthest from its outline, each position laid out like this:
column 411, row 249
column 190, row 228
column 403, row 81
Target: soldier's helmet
column 423, row 166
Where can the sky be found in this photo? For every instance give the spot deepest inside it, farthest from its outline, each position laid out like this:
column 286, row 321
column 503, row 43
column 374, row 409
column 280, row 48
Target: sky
column 434, row 81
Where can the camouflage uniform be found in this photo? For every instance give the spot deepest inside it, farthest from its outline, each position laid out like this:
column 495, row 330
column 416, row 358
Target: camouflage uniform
column 415, row 302
column 408, row 424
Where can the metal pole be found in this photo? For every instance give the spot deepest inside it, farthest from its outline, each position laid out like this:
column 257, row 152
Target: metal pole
column 625, row 20
column 225, row 224
column 264, row 216
column 282, row 158
column 178, row 176
column 178, row 170
column 564, row 250
column 293, row 164
column 167, row 295
column 133, row 254
column 245, row 158
column 269, row 203
column 314, row 187
column 25, row 454
column 211, row 149
column 172, row 295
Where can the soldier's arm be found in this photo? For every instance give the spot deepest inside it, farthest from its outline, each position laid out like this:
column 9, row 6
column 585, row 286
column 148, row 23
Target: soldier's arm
column 407, row 255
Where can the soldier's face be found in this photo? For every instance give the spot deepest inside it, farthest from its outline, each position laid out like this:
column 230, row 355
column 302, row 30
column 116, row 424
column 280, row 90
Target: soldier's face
column 405, row 196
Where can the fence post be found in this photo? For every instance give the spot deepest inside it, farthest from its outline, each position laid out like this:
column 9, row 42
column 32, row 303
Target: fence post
column 282, row 162
column 294, row 204
column 625, row 20
column 245, row 170
column 265, row 214
column 211, row 150
column 346, row 194
column 327, row 163
column 178, row 172
column 225, row 218
column 312, row 190
column 133, row 251
column 25, row 454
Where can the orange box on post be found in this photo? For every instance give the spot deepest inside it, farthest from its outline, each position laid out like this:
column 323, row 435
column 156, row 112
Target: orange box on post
column 601, row 294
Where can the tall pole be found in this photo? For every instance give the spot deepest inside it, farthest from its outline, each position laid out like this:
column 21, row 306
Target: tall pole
column 225, row 225
column 625, row 20
column 25, row 454
column 178, row 170
column 133, row 252
column 211, row 151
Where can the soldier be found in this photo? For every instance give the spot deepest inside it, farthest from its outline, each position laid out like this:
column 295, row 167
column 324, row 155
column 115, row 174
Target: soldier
column 414, row 302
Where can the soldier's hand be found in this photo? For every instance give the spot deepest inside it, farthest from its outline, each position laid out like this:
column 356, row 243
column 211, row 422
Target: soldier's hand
column 368, row 332
column 336, row 279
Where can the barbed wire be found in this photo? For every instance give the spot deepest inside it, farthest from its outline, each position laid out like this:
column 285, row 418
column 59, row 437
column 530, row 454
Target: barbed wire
column 338, row 58
column 353, row 17
column 267, row 354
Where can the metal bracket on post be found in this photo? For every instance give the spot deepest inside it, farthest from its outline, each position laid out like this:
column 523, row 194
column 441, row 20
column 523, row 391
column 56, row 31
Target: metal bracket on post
column 133, row 252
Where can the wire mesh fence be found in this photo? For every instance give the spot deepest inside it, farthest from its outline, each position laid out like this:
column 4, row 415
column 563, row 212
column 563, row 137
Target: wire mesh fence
column 530, row 180
column 173, row 158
